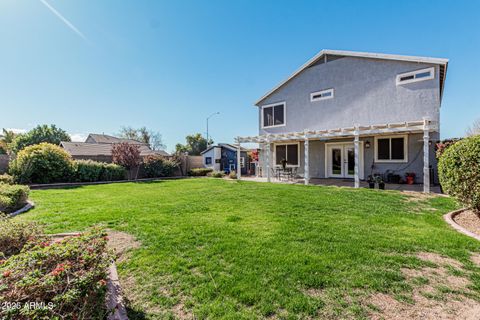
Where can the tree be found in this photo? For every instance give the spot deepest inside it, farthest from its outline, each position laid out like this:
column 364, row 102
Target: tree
column 42, row 133
column 195, row 144
column 128, row 156
column 6, row 139
column 150, row 137
column 474, row 129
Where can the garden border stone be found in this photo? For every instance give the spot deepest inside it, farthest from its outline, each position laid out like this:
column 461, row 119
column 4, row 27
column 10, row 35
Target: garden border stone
column 29, row 205
column 114, row 299
column 79, row 184
column 449, row 218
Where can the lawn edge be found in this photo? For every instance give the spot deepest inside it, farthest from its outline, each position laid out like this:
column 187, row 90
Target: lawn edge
column 449, row 218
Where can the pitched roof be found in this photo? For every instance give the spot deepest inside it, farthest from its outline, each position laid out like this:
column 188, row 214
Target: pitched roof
column 104, row 138
column 102, row 149
column 440, row 61
column 223, row 145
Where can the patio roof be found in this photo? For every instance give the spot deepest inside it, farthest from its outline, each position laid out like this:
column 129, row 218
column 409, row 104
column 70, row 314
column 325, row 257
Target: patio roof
column 388, row 128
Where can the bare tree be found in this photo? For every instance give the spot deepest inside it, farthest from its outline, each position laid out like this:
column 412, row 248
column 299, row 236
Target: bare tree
column 150, row 137
column 474, row 129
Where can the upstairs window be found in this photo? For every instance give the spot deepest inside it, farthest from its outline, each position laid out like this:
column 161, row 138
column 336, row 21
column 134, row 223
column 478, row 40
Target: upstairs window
column 288, row 152
column 391, row 149
column 321, row 95
column 415, row 76
column 273, row 115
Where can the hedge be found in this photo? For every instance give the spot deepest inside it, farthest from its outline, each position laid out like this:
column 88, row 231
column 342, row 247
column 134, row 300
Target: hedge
column 459, row 171
column 199, row 172
column 91, row 171
column 12, row 197
column 157, row 166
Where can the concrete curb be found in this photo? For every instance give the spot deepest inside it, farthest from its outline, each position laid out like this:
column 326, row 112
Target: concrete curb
column 449, row 218
column 28, row 206
column 114, row 300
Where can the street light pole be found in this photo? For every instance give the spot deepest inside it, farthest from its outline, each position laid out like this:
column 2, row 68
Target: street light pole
column 215, row 113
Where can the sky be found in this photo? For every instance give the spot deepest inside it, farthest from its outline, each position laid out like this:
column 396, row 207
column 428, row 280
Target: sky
column 95, row 66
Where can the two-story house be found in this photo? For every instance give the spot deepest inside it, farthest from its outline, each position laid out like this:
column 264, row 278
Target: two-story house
column 350, row 114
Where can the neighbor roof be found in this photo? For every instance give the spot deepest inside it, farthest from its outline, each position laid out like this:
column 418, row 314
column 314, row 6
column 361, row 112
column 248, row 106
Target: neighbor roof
column 104, row 138
column 102, row 149
column 440, row 61
column 223, row 145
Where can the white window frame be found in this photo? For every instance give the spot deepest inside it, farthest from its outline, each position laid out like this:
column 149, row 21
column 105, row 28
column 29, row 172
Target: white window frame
column 242, row 162
column 331, row 90
column 414, row 74
column 286, row 144
column 405, row 149
column 284, row 114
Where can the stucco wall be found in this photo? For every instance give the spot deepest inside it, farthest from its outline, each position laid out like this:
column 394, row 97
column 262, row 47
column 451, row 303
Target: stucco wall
column 365, row 93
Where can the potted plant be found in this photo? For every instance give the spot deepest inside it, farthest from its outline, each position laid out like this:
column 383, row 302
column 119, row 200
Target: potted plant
column 381, row 183
column 410, row 177
column 284, row 163
column 371, row 182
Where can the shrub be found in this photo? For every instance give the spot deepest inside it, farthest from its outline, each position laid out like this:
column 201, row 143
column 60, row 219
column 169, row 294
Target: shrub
column 91, row 171
column 197, row 172
column 459, row 171
column 42, row 133
column 128, row 156
column 216, row 174
column 443, row 145
column 158, row 166
column 232, row 174
column 42, row 163
column 113, row 172
column 68, row 275
column 6, row 178
column 12, row 197
column 15, row 235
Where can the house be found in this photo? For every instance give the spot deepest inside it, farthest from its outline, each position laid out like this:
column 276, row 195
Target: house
column 223, row 157
column 98, row 147
column 350, row 115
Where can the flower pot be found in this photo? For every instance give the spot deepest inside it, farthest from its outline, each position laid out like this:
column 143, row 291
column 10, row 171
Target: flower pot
column 371, row 185
column 410, row 180
column 381, row 186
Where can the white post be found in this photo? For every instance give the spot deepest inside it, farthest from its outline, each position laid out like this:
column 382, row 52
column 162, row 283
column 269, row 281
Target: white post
column 268, row 161
column 239, row 167
column 307, row 171
column 426, row 155
column 357, row 157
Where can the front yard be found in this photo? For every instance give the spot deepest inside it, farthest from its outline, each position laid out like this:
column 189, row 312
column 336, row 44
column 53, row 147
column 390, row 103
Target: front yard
column 226, row 249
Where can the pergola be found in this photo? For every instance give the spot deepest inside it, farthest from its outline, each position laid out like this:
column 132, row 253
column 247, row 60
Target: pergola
column 426, row 126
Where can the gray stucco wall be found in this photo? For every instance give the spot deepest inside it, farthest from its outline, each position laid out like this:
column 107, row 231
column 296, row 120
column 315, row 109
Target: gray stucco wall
column 365, row 93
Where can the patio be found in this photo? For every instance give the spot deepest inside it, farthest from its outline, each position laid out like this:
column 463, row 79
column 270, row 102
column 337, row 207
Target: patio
column 347, row 183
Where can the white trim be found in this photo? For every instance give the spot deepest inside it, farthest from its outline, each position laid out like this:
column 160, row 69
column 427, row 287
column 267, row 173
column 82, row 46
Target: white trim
column 405, row 149
column 414, row 74
column 361, row 162
column 321, row 92
column 285, row 144
column 284, row 114
column 439, row 61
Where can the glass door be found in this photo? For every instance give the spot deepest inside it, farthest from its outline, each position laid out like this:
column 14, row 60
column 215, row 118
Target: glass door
column 336, row 162
column 349, row 161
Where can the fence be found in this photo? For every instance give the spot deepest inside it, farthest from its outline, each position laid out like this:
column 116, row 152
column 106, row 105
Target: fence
column 4, row 159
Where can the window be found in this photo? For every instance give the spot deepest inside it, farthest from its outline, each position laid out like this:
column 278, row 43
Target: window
column 391, row 149
column 242, row 162
column 208, row 160
column 321, row 95
column 273, row 115
column 415, row 76
column 288, row 152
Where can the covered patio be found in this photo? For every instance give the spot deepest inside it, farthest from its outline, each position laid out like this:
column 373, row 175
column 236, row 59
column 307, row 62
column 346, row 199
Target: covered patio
column 353, row 134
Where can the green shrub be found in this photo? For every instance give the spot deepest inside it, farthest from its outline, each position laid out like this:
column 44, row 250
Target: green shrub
column 459, row 171
column 12, row 197
column 69, row 275
column 15, row 235
column 157, row 166
column 197, row 172
column 113, row 172
column 92, row 171
column 42, row 163
column 216, row 174
column 232, row 174
column 6, row 178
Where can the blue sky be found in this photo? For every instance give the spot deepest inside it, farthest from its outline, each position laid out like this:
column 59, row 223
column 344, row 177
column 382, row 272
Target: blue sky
column 167, row 65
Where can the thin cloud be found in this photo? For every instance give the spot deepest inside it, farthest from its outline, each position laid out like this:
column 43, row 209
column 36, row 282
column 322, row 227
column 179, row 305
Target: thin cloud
column 68, row 23
column 78, row 137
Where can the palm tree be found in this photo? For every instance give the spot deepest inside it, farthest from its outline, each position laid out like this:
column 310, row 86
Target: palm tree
column 6, row 138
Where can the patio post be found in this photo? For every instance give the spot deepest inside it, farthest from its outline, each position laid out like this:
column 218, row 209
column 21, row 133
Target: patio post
column 239, row 167
column 356, row 151
column 306, row 170
column 268, row 161
column 426, row 157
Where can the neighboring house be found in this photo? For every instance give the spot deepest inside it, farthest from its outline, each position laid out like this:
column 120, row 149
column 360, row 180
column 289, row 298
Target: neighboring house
column 350, row 114
column 98, row 147
column 223, row 157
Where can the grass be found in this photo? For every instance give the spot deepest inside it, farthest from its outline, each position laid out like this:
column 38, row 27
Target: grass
column 215, row 248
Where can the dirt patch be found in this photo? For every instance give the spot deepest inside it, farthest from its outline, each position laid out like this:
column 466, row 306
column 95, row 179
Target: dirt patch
column 469, row 220
column 122, row 243
column 413, row 196
column 476, row 259
column 439, row 259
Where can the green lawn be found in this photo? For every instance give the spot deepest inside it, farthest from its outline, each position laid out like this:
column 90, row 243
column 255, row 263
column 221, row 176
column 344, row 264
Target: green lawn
column 227, row 249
